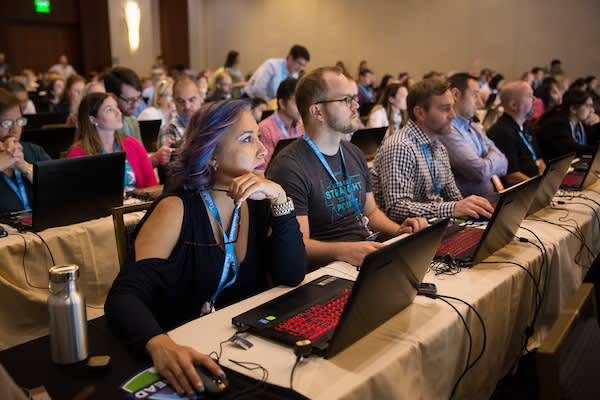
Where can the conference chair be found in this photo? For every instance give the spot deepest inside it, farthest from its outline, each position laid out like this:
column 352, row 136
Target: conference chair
column 567, row 360
column 123, row 231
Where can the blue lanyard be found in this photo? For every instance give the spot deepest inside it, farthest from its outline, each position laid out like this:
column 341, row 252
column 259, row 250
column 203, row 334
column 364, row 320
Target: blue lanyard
column 367, row 92
column 436, row 182
column 228, row 240
column 578, row 134
column 528, row 146
column 20, row 191
column 284, row 72
column 473, row 135
column 126, row 127
column 183, row 121
column 282, row 127
column 316, row 150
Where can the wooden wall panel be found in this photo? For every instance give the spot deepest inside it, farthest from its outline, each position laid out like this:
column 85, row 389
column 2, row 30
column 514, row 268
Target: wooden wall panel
column 174, row 32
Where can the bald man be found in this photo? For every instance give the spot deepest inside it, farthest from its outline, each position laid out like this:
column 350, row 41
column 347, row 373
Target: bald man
column 513, row 137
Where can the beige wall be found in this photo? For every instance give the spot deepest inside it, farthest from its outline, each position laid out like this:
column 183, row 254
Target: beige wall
column 141, row 60
column 510, row 36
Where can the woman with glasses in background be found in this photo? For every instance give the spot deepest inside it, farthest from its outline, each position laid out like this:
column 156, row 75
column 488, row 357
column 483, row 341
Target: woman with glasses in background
column 99, row 121
column 210, row 244
column 162, row 105
column 16, row 157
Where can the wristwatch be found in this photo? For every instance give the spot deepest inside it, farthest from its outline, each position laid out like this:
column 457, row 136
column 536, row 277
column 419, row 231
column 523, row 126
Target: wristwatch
column 283, row 209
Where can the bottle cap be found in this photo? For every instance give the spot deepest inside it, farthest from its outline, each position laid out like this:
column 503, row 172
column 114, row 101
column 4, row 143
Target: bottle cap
column 63, row 273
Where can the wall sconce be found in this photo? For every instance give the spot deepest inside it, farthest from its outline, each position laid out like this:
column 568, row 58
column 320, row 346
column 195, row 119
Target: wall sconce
column 133, row 17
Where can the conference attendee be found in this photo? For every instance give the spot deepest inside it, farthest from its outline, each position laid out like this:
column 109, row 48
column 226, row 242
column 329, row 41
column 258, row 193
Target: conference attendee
column 474, row 158
column 562, row 129
column 203, row 87
column 16, row 157
column 222, row 89
column 328, row 178
column 411, row 173
column 385, row 81
column 366, row 94
column 157, row 75
column 538, row 77
column 54, row 89
column 63, row 67
column 231, row 68
column 215, row 241
column 100, row 123
column 390, row 110
column 266, row 79
column 592, row 86
column 547, row 95
column 20, row 92
column 513, row 137
column 71, row 95
column 162, row 104
column 188, row 99
column 556, row 68
column 125, row 87
column 283, row 123
column 257, row 107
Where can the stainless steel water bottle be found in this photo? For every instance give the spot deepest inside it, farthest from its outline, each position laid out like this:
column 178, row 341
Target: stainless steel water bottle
column 67, row 316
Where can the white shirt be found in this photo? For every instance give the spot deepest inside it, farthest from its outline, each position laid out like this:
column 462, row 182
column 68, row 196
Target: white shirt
column 152, row 113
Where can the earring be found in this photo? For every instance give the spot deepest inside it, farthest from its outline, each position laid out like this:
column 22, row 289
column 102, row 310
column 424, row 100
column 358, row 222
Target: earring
column 213, row 165
column 96, row 124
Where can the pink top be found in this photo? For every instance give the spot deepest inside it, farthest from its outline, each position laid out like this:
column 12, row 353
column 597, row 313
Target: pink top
column 270, row 133
column 137, row 158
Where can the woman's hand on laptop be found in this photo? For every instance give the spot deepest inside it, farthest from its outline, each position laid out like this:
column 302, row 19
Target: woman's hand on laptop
column 176, row 363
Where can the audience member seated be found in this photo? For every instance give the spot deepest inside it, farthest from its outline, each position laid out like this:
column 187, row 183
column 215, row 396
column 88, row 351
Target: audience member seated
column 186, row 94
column 283, row 123
column 411, row 173
column 547, row 95
column 91, row 87
column 592, row 86
column 231, row 68
column 63, row 67
column 71, row 95
column 473, row 156
column 124, row 84
column 258, row 106
column 162, row 104
column 562, row 128
column 538, row 77
column 391, row 107
column 328, row 178
column 100, row 123
column 20, row 92
column 513, row 137
column 49, row 102
column 157, row 75
column 266, row 79
column 188, row 240
column 16, row 158
column 556, row 68
column 366, row 94
column 222, row 89
column 385, row 81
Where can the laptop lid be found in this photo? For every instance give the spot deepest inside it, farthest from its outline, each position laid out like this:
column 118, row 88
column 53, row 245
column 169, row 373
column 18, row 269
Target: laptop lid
column 387, row 283
column 551, row 180
column 149, row 132
column 53, row 140
column 38, row 120
column 76, row 189
column 368, row 140
column 506, row 219
column 591, row 175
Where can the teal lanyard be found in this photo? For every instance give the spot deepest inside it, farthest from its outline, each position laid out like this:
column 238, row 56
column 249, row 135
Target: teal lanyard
column 528, row 145
column 20, row 191
column 436, row 179
column 282, row 127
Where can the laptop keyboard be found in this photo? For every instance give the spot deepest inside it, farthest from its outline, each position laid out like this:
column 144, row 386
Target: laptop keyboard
column 571, row 180
column 458, row 244
column 317, row 320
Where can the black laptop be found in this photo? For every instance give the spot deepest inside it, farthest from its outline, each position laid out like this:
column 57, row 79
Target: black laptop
column 580, row 178
column 468, row 244
column 149, row 133
column 334, row 312
column 39, row 120
column 368, row 140
column 72, row 190
column 551, row 181
column 55, row 141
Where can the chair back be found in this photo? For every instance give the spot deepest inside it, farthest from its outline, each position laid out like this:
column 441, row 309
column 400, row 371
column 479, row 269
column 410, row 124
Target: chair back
column 123, row 231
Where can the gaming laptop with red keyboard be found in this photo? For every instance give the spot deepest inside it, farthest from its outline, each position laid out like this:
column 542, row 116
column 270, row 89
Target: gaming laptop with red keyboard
column 470, row 244
column 580, row 179
column 334, row 312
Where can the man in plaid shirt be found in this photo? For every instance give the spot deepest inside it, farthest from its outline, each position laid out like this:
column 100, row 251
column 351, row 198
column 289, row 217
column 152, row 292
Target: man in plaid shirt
column 411, row 174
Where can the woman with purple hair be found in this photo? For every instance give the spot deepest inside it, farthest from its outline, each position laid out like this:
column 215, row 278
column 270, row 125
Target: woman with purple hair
column 211, row 243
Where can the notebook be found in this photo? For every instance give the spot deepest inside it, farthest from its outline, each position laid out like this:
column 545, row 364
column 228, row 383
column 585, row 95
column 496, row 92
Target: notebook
column 149, row 133
column 551, row 180
column 72, row 190
column 368, row 140
column 469, row 244
column 334, row 312
column 54, row 141
column 580, row 179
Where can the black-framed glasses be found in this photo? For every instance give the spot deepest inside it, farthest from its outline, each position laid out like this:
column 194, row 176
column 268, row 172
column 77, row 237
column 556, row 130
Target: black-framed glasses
column 348, row 100
column 131, row 100
column 7, row 123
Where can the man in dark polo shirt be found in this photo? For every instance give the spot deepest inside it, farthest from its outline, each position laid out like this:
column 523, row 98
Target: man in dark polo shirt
column 513, row 138
column 328, row 178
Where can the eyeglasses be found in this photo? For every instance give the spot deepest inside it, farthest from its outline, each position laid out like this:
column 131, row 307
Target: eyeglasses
column 131, row 100
column 7, row 123
column 348, row 100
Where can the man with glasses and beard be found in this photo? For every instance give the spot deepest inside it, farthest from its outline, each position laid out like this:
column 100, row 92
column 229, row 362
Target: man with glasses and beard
column 328, row 178
column 513, row 137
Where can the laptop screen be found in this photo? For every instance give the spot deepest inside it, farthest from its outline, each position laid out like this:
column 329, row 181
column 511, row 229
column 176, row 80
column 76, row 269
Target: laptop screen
column 553, row 177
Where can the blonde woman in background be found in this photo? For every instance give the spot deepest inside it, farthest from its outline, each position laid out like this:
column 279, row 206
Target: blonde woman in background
column 162, row 105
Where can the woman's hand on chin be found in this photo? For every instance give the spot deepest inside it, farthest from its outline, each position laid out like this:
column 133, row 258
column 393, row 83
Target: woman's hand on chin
column 256, row 187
